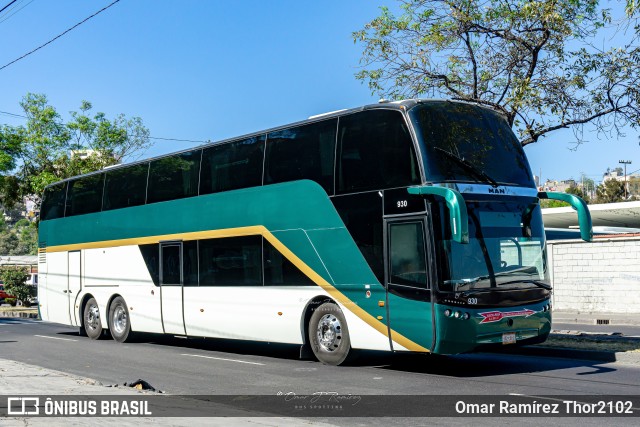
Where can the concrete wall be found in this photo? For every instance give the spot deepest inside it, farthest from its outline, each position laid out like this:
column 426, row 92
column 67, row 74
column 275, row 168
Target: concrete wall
column 602, row 276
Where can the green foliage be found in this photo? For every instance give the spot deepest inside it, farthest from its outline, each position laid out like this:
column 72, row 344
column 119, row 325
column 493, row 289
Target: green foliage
column 580, row 192
column 11, row 301
column 547, row 203
column 8, row 243
column 14, row 282
column 539, row 62
column 46, row 150
column 20, row 238
column 633, row 184
column 611, row 191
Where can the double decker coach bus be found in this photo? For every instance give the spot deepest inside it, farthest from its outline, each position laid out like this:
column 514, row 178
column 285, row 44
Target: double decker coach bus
column 400, row 226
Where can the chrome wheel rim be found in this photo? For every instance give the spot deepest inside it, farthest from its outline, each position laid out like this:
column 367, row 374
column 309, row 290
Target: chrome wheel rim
column 93, row 317
column 329, row 332
column 119, row 319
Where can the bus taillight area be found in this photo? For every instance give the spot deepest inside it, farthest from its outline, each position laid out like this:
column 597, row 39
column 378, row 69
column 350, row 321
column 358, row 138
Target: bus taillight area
column 462, row 330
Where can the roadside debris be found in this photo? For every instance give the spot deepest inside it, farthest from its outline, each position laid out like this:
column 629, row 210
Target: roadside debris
column 138, row 385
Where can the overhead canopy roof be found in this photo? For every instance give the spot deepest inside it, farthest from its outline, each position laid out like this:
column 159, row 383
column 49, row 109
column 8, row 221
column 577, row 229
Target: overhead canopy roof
column 625, row 214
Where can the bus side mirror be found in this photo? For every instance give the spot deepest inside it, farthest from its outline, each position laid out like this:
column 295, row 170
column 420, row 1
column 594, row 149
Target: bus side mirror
column 584, row 217
column 457, row 209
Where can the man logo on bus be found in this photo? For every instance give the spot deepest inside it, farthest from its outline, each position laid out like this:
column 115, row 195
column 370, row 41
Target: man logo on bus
column 495, row 316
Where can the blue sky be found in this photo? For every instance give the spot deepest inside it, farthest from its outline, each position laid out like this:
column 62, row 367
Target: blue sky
column 209, row 70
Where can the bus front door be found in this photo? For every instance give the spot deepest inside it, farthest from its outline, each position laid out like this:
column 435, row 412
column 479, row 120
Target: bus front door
column 409, row 300
column 171, row 295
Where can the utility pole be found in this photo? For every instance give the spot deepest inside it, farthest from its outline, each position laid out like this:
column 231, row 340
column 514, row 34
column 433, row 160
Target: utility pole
column 625, row 163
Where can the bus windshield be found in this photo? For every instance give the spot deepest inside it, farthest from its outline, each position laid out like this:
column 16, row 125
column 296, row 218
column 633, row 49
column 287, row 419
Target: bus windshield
column 466, row 143
column 505, row 250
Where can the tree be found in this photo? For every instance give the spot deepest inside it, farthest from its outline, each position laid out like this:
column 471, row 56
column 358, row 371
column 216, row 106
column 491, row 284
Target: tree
column 46, row 150
column 578, row 191
column 548, row 203
column 633, row 183
column 537, row 62
column 14, row 279
column 588, row 184
column 610, row 191
column 8, row 243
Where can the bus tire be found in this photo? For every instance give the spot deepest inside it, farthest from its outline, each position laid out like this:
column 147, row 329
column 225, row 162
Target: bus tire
column 119, row 322
column 329, row 334
column 91, row 319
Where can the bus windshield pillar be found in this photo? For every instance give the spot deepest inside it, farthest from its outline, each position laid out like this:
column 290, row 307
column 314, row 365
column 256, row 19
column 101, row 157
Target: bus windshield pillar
column 457, row 209
column 584, row 217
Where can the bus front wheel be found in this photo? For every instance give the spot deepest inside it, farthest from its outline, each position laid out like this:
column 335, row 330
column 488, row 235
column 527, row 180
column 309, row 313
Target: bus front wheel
column 119, row 324
column 91, row 317
column 329, row 335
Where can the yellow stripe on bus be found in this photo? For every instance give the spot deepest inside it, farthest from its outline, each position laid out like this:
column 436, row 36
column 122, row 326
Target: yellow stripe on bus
column 284, row 250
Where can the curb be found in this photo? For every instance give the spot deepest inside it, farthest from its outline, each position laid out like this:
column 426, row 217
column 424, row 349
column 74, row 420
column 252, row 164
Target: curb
column 20, row 314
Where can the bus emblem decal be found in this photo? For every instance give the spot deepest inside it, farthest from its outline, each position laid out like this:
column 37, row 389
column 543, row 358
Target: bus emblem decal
column 497, row 191
column 495, row 316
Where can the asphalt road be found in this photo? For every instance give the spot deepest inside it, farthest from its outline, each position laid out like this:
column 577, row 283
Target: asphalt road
column 181, row 366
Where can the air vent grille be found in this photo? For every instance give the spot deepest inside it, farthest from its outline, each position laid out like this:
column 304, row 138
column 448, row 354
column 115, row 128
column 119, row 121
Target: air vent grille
column 42, row 253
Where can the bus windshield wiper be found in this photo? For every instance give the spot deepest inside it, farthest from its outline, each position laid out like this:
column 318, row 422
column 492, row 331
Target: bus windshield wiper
column 468, row 166
column 460, row 283
column 511, row 282
column 535, row 282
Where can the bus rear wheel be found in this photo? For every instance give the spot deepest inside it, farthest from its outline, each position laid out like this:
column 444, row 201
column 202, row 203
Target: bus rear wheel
column 91, row 319
column 119, row 323
column 329, row 335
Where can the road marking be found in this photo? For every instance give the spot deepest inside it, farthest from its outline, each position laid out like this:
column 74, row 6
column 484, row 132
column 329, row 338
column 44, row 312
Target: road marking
column 220, row 358
column 54, row 338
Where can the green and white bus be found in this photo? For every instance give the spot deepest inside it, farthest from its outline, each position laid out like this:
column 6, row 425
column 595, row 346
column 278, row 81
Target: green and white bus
column 399, row 226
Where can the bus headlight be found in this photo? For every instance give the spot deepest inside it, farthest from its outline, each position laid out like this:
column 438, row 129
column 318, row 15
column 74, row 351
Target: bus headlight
column 465, row 316
column 457, row 314
column 447, row 312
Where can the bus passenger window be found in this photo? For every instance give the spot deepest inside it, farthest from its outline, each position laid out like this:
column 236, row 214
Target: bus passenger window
column 303, row 152
column 232, row 261
column 125, row 187
column 279, row 271
column 375, row 152
column 174, row 177
column 85, row 195
column 190, row 263
column 151, row 255
column 232, row 165
column 53, row 202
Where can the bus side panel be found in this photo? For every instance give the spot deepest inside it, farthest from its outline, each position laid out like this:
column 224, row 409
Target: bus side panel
column 363, row 335
column 122, row 270
column 259, row 313
column 57, row 297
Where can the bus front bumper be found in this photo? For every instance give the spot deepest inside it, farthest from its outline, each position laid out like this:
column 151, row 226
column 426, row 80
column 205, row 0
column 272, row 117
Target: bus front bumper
column 461, row 330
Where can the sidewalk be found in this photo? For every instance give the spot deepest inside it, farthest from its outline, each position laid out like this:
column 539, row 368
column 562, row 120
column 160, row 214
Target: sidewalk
column 600, row 319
